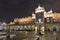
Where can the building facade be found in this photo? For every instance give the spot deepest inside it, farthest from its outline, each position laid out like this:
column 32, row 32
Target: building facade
column 39, row 17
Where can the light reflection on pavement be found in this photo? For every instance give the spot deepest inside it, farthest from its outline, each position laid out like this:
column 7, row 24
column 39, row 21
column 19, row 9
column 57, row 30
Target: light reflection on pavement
column 30, row 35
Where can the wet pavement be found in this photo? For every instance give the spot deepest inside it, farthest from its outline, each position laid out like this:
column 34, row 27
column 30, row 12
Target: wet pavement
column 50, row 36
column 30, row 35
column 26, row 35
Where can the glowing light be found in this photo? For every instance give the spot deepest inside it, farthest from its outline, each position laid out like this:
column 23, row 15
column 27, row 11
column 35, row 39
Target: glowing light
column 39, row 9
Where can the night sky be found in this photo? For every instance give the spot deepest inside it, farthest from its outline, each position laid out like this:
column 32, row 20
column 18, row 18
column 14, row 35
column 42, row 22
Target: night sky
column 10, row 9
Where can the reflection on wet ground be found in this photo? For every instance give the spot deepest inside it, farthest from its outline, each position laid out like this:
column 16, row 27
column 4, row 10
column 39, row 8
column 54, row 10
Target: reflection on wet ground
column 26, row 35
column 30, row 35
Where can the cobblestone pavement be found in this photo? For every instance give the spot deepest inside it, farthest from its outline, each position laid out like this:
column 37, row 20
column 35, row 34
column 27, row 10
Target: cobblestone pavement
column 30, row 35
column 50, row 36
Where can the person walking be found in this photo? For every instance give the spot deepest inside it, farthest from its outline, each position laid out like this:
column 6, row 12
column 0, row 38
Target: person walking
column 55, row 33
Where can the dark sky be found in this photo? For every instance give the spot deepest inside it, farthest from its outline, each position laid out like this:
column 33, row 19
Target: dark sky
column 10, row 9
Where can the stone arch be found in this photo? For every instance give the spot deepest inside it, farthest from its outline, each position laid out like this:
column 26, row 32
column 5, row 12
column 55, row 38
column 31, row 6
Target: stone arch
column 55, row 26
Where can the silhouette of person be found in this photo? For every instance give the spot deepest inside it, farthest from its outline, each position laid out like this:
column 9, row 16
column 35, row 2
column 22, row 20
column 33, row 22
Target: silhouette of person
column 54, row 29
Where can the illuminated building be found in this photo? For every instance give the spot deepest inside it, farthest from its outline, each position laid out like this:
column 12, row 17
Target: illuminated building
column 56, row 17
column 40, row 16
column 39, row 12
column 48, row 16
column 26, row 20
column 52, row 17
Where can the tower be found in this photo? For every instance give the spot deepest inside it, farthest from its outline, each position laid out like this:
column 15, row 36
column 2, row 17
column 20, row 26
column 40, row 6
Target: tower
column 39, row 12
